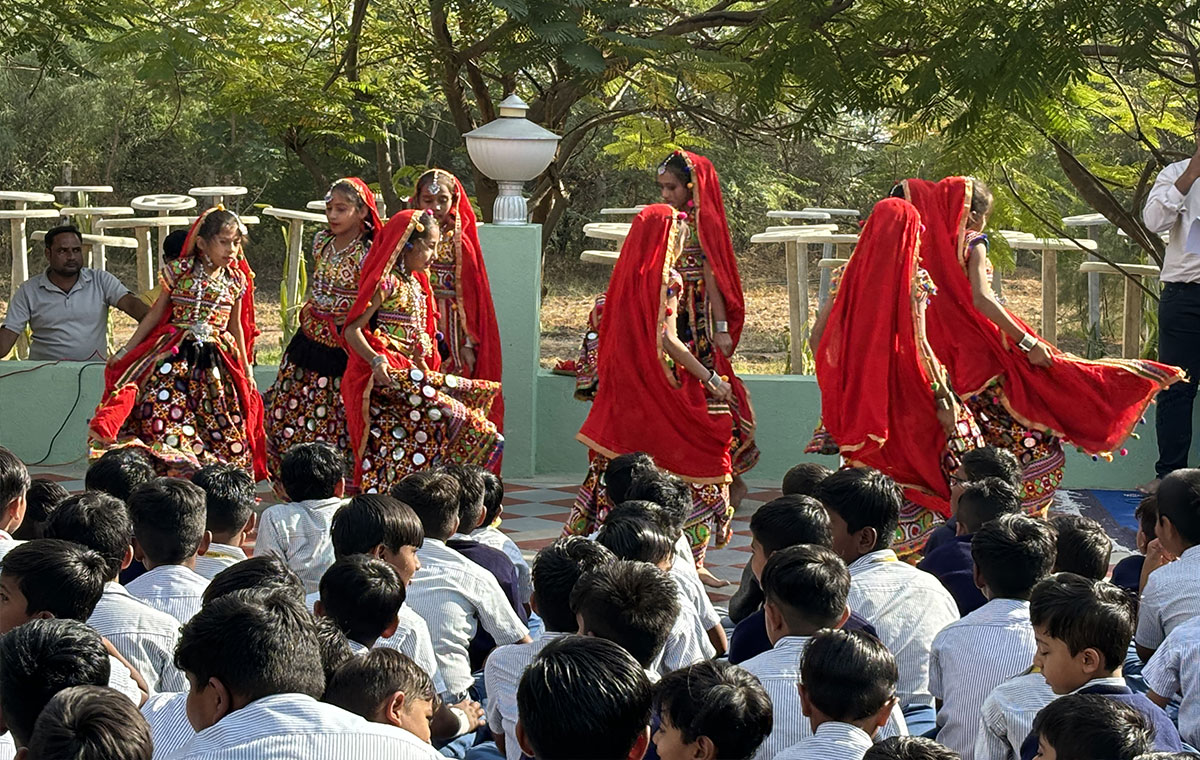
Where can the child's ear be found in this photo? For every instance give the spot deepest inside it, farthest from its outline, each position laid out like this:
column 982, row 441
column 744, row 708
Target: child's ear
column 138, row 554
column 526, row 747
column 377, row 551
column 339, row 490
column 960, row 529
column 805, row 703
column 533, row 605
column 977, row 576
column 205, row 542
column 885, row 712
column 393, row 709
column 638, row 750
column 390, row 631
column 704, row 749
column 127, row 558
column 1091, row 660
column 868, row 538
column 251, row 523
column 14, row 512
column 845, row 616
column 772, row 617
column 319, row 608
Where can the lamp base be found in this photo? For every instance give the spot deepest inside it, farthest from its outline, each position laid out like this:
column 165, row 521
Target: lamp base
column 510, row 207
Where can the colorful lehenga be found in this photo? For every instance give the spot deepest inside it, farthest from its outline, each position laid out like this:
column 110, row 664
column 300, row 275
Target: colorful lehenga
column 183, row 395
column 424, row 418
column 304, row 404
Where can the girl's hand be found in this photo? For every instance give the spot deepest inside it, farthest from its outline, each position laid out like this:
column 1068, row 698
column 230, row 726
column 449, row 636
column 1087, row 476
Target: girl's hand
column 724, row 343
column 381, row 375
column 722, row 391
column 468, row 358
column 948, row 419
column 1040, row 356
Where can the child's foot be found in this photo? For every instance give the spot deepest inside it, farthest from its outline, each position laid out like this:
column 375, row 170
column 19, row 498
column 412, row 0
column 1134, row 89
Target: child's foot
column 710, row 580
column 737, row 491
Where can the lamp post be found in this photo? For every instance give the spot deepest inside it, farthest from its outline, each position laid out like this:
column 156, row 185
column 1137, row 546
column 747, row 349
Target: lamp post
column 511, row 150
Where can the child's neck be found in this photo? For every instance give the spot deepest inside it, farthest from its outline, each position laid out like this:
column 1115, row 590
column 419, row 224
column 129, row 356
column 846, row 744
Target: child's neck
column 866, row 725
column 344, row 240
column 189, row 563
column 230, row 539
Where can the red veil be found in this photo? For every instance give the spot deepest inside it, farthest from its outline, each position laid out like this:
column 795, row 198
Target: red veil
column 367, row 197
column 120, row 391
column 641, row 405
column 876, row 397
column 1091, row 404
column 358, row 381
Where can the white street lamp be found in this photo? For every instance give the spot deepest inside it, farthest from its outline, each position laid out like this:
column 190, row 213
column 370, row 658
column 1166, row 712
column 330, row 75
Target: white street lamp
column 511, row 150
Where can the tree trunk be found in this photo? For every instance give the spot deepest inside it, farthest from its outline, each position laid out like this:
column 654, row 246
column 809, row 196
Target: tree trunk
column 383, row 169
column 293, row 143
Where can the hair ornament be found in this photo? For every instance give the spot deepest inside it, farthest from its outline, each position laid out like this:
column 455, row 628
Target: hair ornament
column 419, row 227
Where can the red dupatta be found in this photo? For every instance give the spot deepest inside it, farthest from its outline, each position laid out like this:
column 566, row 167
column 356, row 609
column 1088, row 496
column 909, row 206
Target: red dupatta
column 641, row 405
column 876, row 396
column 374, row 224
column 1092, row 404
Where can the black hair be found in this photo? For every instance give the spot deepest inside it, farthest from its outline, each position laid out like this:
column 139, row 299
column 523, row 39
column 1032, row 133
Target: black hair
column 1179, row 501
column 1091, row 726
column 790, row 521
column 168, row 517
column 636, row 539
column 648, row 511
column 677, row 165
column 173, row 245
column 986, row 499
column 371, row 519
column 909, row 748
column 864, row 498
column 55, row 576
column 311, row 471
column 362, row 685
column 1084, row 613
column 42, row 498
column 470, row 499
column 98, row 521
column 808, row 584
column 1147, row 516
column 1013, row 553
column 362, row 595
column 1083, row 546
column 620, row 472
column 62, row 229
column 849, row 675
column 583, row 698
column 335, row 647
column 256, row 644
column 434, row 496
column 118, row 472
column 14, row 477
column 556, row 570
column 631, row 603
column 667, row 491
column 40, row 659
column 90, row 723
column 981, row 197
column 803, row 479
column 992, row 462
column 493, row 496
column 228, row 496
column 720, row 700
column 216, row 221
column 264, row 572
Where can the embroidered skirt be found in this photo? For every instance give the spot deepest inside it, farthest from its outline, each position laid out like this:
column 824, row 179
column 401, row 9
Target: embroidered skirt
column 304, row 404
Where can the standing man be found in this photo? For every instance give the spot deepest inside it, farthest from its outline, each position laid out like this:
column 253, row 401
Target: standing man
column 66, row 306
column 1174, row 206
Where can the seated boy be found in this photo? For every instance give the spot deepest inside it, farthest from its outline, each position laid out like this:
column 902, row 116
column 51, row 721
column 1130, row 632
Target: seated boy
column 143, row 635
column 806, row 588
column 314, row 476
column 1175, row 669
column 362, row 595
column 1090, row 727
column 42, row 498
column 619, row 476
column 847, row 692
column 803, row 479
column 1083, row 546
column 89, row 723
column 632, row 604
column 229, row 515
column 979, row 503
column 710, row 710
column 489, row 533
column 972, row 656
column 976, row 464
column 168, row 533
column 255, row 668
column 1083, row 628
column 118, row 471
column 1008, row 713
column 584, row 698
column 1170, row 595
column 14, row 482
column 1128, row 572
column 385, row 686
column 906, row 605
column 556, row 569
column 909, row 748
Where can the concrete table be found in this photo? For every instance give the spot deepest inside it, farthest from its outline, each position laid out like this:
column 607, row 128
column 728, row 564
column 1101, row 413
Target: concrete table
column 851, row 212
column 17, row 216
column 806, row 214
column 163, row 204
column 1092, row 223
column 617, row 231
column 1131, row 322
column 97, row 256
column 1049, row 248
column 295, row 245
column 141, row 226
column 608, row 258
column 621, row 211
column 216, row 195
column 82, row 192
column 318, row 206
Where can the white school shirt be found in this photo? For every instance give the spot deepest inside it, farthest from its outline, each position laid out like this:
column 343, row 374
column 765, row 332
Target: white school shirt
column 908, row 607
column 173, row 589
column 217, row 558
column 686, row 644
column 1174, row 669
column 970, row 658
column 684, row 573
column 295, row 726
column 8, row 749
column 169, row 725
column 298, row 533
column 1171, row 598
column 412, row 638
column 1168, row 210
column 455, row 596
column 778, row 669
column 501, row 675
column 833, row 740
column 497, row 539
column 143, row 635
column 1006, row 718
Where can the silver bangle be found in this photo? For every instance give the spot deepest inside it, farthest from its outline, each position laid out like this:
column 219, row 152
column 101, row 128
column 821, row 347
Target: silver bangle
column 1028, row 342
column 379, row 360
column 722, row 326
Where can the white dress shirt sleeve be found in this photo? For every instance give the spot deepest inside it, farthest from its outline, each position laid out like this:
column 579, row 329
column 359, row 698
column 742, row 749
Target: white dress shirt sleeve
column 496, row 614
column 1162, row 672
column 1164, row 204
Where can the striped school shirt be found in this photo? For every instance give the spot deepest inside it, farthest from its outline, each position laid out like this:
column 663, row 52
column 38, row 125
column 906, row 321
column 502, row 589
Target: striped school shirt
column 173, row 589
column 143, row 635
column 832, row 740
column 501, row 676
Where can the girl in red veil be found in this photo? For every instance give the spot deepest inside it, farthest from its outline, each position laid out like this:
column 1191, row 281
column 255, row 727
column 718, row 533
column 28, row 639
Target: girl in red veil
column 182, row 388
column 304, row 404
column 654, row 395
column 1027, row 395
column 402, row 414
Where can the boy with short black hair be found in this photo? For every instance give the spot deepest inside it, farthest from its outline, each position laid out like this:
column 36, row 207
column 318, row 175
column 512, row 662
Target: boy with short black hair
column 631, row 603
column 562, row 719
column 1175, row 669
column 1128, row 572
column 14, row 482
column 910, row 748
column 803, row 479
column 314, row 476
column 264, row 573
column 89, row 723
column 362, row 595
column 1083, row 546
column 1090, row 727
column 168, row 517
column 42, row 498
column 118, row 471
column 1170, row 595
column 620, row 473
column 976, row 464
column 385, row 686
column 489, row 533
column 229, row 515
column 710, row 710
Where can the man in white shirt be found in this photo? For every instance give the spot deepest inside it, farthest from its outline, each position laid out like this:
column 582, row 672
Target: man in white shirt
column 1173, row 206
column 168, row 532
column 229, row 515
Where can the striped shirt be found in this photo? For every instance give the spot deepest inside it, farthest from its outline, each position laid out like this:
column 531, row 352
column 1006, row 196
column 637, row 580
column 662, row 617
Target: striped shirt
column 8, row 750
column 298, row 533
column 497, row 539
column 120, row 679
column 412, row 638
column 501, row 675
column 1007, row 716
column 970, row 658
column 684, row 573
column 173, row 589
column 832, row 741
column 687, row 643
column 908, row 607
column 169, row 725
column 1175, row 669
column 1171, row 597
column 455, row 597
column 292, row 726
column 143, row 635
column 217, row 558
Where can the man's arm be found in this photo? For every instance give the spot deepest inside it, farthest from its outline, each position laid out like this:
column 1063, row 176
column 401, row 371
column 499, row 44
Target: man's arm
column 133, row 306
column 8, row 339
column 1165, row 200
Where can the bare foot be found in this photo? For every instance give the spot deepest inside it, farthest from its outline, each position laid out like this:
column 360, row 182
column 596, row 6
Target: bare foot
column 737, row 491
column 710, row 580
column 1149, row 488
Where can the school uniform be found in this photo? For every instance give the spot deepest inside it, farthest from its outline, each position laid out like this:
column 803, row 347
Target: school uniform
column 1174, row 670
column 750, row 637
column 952, row 564
column 832, row 740
column 686, row 644
column 1171, row 598
column 412, row 638
column 143, row 635
column 494, row 537
column 173, row 589
column 217, row 558
column 501, row 568
column 169, row 726
column 120, row 679
column 1007, row 716
column 683, row 569
column 298, row 533
column 501, row 675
